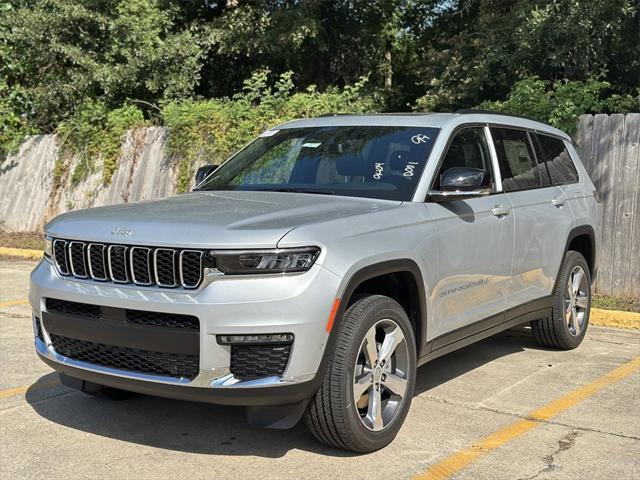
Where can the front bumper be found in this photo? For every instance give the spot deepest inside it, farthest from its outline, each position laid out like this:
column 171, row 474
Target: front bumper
column 298, row 304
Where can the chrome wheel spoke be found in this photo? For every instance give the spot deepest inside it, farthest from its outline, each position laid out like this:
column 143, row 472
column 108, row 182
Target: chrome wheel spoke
column 362, row 384
column 575, row 322
column 369, row 348
column 374, row 414
column 576, row 280
column 391, row 341
column 395, row 384
column 581, row 301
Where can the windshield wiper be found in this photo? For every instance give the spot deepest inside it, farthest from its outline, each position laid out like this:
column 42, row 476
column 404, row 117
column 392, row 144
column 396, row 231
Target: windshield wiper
column 294, row 190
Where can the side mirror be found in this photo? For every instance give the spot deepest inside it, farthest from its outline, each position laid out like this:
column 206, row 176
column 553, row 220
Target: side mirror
column 460, row 183
column 203, row 172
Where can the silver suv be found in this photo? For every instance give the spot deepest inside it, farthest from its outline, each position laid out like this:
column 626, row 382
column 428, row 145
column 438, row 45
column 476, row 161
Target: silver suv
column 312, row 272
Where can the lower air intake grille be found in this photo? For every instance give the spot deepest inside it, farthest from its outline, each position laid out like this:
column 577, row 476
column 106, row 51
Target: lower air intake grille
column 158, row 319
column 73, row 308
column 140, row 361
column 254, row 361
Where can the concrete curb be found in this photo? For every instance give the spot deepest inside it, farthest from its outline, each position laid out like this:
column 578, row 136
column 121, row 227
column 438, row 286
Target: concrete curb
column 614, row 318
column 20, row 253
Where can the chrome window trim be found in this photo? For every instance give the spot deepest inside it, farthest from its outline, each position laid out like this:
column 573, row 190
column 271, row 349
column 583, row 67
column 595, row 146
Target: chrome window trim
column 70, row 257
column 155, row 267
column 104, row 266
column 125, row 264
column 55, row 257
column 133, row 271
column 181, row 270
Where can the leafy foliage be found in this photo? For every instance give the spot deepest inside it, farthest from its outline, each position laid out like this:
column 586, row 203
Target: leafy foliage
column 210, row 131
column 560, row 103
column 95, row 132
column 65, row 64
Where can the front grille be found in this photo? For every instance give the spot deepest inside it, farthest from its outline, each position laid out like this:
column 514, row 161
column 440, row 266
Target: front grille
column 254, row 361
column 73, row 308
column 142, row 266
column 134, row 360
column 137, row 317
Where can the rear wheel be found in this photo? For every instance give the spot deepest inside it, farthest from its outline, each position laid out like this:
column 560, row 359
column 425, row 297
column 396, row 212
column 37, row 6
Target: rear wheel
column 571, row 305
column 369, row 382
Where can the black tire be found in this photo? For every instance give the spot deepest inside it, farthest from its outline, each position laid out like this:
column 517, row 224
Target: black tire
column 332, row 415
column 554, row 331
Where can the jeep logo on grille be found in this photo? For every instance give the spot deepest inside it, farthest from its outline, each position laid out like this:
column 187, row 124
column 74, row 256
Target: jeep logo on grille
column 121, row 232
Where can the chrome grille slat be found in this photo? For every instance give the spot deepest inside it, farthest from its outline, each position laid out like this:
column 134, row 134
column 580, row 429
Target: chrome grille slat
column 95, row 259
column 187, row 281
column 140, row 266
column 76, row 256
column 117, row 260
column 60, row 256
column 129, row 264
column 165, row 257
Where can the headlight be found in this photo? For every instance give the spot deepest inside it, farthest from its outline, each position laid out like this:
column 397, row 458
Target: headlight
column 287, row 260
column 48, row 247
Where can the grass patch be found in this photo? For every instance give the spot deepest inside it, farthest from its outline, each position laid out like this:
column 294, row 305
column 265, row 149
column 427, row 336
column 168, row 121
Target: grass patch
column 625, row 304
column 28, row 240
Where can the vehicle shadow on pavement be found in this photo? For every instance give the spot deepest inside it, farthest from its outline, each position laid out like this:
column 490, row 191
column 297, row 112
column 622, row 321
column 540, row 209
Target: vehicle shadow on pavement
column 221, row 430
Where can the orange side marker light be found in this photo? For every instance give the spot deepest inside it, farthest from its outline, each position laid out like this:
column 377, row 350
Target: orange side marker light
column 332, row 315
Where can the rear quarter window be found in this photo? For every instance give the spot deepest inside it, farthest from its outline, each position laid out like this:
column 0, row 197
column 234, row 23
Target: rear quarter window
column 557, row 159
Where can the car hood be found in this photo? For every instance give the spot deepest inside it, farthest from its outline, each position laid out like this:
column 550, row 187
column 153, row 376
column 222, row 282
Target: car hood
column 221, row 219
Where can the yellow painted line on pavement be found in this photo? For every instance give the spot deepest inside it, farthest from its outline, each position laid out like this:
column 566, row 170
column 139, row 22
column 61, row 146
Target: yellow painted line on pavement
column 11, row 303
column 614, row 318
column 458, row 461
column 20, row 253
column 20, row 390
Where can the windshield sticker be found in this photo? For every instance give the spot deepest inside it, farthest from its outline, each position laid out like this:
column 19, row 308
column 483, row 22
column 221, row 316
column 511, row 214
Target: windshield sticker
column 408, row 170
column 311, row 145
column 379, row 170
column 269, row 133
column 420, row 138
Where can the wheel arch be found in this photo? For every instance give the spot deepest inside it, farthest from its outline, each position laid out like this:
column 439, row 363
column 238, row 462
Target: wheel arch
column 583, row 240
column 371, row 279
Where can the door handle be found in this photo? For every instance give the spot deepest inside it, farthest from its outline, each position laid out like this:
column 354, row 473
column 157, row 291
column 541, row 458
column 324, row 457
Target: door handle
column 500, row 211
column 558, row 201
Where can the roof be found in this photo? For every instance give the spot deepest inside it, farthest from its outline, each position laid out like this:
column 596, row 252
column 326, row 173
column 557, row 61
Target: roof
column 434, row 120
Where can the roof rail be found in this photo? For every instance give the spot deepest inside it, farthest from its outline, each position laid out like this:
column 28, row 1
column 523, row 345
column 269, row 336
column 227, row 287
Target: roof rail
column 469, row 111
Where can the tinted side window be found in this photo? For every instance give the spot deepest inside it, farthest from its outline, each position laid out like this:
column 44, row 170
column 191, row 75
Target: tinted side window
column 558, row 161
column 516, row 160
column 469, row 149
column 543, row 171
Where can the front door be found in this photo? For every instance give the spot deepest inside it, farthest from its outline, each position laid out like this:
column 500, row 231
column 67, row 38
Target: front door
column 474, row 243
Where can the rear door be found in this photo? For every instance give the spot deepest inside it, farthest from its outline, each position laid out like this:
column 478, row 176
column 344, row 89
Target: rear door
column 542, row 217
column 474, row 242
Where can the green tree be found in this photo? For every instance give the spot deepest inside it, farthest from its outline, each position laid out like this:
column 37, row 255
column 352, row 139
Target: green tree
column 60, row 53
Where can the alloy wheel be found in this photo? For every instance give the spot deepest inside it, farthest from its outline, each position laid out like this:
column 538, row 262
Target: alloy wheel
column 576, row 300
column 380, row 375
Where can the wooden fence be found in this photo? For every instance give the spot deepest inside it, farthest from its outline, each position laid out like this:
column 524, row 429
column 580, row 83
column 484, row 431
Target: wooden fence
column 609, row 146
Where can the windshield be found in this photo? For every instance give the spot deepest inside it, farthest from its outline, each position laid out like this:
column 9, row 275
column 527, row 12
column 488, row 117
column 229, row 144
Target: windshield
column 374, row 162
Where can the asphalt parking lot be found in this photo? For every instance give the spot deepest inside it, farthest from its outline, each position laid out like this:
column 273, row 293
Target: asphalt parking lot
column 501, row 409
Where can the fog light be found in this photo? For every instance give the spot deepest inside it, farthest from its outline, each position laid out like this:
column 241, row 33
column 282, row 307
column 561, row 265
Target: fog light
column 255, row 339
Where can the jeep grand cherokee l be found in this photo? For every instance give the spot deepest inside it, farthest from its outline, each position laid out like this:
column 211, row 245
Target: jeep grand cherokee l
column 312, row 272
